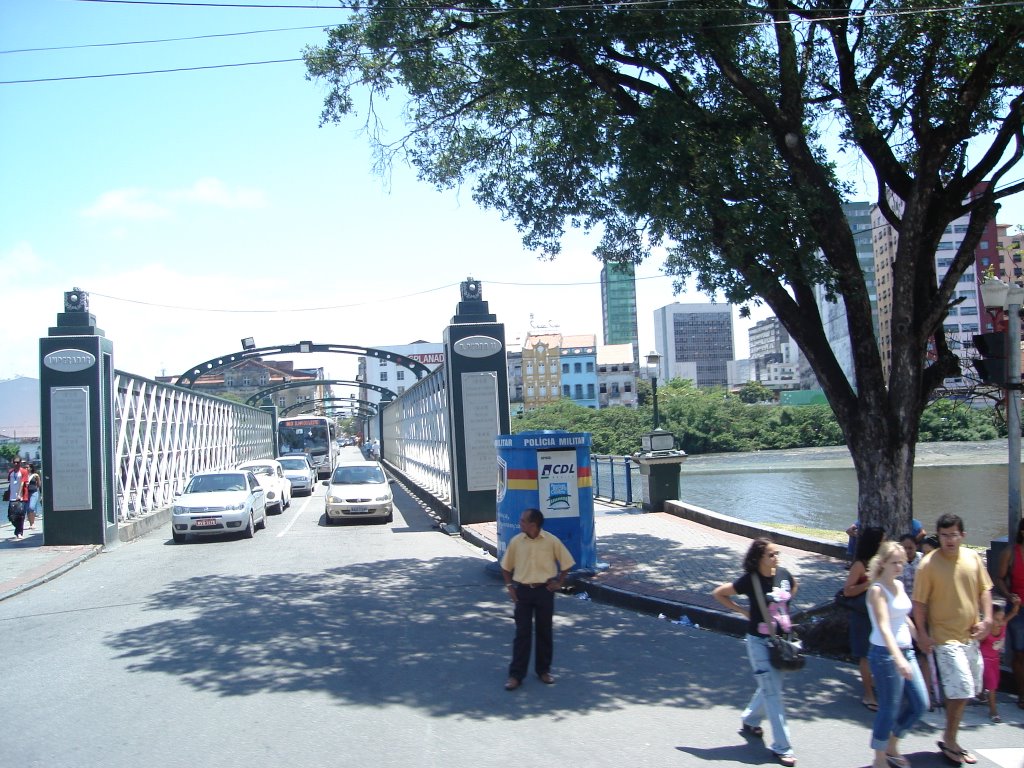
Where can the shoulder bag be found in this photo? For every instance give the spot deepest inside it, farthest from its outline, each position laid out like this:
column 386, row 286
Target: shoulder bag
column 857, row 603
column 785, row 652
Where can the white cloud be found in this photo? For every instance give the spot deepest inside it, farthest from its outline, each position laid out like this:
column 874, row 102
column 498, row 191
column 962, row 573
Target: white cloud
column 129, row 203
column 215, row 193
column 141, row 204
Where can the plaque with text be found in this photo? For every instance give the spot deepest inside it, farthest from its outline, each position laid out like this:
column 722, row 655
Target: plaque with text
column 480, row 427
column 71, row 458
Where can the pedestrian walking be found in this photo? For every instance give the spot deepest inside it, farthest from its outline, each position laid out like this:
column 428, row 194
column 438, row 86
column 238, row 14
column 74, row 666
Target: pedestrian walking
column 534, row 568
column 1010, row 582
column 17, row 488
column 899, row 685
column 909, row 543
column 779, row 588
column 951, row 590
column 856, row 586
column 34, row 487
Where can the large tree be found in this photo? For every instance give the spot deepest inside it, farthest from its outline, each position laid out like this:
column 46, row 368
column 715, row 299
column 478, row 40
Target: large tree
column 714, row 131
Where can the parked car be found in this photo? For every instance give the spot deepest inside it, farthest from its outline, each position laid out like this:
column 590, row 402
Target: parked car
column 219, row 502
column 270, row 475
column 300, row 473
column 358, row 489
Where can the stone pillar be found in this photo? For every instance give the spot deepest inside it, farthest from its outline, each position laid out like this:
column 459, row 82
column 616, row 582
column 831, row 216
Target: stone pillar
column 477, row 376
column 76, row 377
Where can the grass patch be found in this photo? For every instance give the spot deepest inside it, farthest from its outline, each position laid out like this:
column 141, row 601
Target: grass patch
column 819, row 533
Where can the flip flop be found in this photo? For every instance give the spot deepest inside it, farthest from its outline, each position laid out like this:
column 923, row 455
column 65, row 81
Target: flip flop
column 869, row 705
column 952, row 756
column 752, row 730
column 968, row 757
column 897, row 761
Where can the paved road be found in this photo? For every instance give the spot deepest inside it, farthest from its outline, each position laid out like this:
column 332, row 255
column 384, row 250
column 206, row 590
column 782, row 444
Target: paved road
column 380, row 645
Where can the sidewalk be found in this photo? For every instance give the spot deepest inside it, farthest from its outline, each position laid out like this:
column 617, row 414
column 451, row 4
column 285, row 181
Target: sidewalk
column 661, row 563
column 27, row 563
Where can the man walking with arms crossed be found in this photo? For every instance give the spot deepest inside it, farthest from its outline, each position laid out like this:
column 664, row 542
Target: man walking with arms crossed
column 534, row 568
column 951, row 590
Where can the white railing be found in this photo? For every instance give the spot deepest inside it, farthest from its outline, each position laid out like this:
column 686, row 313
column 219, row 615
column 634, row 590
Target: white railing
column 164, row 434
column 415, row 438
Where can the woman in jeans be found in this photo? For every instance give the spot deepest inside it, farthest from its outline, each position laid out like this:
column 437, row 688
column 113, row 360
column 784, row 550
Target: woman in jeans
column 778, row 587
column 899, row 686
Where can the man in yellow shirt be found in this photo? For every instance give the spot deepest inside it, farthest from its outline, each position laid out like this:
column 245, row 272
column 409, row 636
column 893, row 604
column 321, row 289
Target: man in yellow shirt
column 534, row 568
column 951, row 590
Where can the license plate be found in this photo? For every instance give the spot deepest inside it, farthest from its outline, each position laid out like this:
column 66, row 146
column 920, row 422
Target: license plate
column 204, row 522
column 359, row 511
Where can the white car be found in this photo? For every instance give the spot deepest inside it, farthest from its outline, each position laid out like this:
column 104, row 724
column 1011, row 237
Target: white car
column 219, row 502
column 300, row 473
column 271, row 477
column 358, row 489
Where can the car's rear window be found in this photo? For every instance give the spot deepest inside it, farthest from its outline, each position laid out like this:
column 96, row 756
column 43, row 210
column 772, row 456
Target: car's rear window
column 293, row 463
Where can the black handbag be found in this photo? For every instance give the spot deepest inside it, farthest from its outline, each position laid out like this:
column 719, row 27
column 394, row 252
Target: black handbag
column 857, row 603
column 785, row 652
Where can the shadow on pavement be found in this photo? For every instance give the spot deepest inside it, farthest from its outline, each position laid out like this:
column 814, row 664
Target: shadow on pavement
column 435, row 635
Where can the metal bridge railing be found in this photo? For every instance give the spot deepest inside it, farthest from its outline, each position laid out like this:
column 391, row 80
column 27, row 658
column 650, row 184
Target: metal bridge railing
column 616, row 478
column 164, row 434
column 415, row 435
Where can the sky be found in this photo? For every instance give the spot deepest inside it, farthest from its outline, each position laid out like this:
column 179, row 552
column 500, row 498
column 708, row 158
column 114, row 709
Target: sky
column 200, row 207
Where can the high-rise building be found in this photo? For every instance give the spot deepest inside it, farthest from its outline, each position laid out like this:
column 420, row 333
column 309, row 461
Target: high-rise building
column 695, row 342
column 618, row 306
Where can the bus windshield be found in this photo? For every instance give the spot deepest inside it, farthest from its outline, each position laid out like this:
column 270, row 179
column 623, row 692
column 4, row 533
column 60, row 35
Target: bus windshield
column 313, row 436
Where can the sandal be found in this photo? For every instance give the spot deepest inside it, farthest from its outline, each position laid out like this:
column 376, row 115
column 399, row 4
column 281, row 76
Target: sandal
column 952, row 756
column 752, row 730
column 869, row 705
column 896, row 761
column 968, row 757
column 787, row 760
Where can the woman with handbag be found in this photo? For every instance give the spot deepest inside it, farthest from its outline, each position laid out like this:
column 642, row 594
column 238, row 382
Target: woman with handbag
column 778, row 587
column 1010, row 581
column 854, row 591
column 902, row 697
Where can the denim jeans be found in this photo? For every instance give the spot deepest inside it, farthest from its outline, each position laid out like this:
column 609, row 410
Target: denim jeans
column 767, row 700
column 901, row 702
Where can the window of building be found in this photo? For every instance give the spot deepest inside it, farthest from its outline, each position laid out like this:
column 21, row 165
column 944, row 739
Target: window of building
column 543, row 392
column 628, row 387
column 983, row 245
column 578, row 392
column 590, row 367
column 282, row 401
column 264, row 379
column 604, row 389
column 577, row 367
column 529, row 369
column 565, row 390
column 383, row 375
column 529, row 391
column 246, row 381
column 590, row 391
column 229, row 381
column 945, row 245
column 565, row 367
column 540, row 369
column 615, row 389
column 400, row 375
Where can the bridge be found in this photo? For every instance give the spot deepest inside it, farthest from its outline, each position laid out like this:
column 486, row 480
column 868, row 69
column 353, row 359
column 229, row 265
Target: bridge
column 118, row 447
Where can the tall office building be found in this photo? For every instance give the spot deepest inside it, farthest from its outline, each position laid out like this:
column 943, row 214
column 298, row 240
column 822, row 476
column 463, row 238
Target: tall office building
column 695, row 342
column 618, row 306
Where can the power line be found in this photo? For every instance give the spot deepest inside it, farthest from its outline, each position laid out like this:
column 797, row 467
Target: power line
column 147, row 72
column 160, row 40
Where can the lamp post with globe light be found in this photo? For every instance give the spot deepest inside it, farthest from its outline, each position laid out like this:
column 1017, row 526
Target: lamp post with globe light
column 1001, row 296
column 653, row 361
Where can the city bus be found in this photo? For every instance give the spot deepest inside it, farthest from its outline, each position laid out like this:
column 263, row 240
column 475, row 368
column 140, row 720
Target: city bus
column 313, row 435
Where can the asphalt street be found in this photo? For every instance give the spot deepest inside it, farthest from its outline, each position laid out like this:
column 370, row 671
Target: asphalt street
column 384, row 645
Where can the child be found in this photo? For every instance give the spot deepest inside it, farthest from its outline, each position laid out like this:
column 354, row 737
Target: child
column 992, row 648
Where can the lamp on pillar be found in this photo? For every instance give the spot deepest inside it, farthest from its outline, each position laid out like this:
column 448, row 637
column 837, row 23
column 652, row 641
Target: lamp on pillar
column 248, row 343
column 653, row 361
column 1000, row 296
column 658, row 458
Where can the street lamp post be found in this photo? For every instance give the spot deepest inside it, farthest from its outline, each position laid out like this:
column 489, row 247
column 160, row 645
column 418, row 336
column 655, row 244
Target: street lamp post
column 1009, row 297
column 653, row 360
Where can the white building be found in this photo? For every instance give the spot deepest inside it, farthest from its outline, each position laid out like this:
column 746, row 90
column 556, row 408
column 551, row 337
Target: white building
column 695, row 342
column 616, row 376
column 394, row 377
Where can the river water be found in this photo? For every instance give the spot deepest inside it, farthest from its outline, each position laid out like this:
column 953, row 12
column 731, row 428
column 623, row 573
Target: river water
column 817, row 488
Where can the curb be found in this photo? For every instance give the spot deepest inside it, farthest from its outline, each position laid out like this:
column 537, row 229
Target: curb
column 60, row 570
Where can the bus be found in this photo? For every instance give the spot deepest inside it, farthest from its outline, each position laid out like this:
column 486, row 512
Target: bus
column 313, row 435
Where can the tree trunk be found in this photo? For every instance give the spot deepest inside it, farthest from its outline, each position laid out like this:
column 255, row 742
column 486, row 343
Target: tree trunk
column 883, row 458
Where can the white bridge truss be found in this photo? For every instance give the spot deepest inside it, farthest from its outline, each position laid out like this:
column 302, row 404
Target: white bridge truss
column 164, row 434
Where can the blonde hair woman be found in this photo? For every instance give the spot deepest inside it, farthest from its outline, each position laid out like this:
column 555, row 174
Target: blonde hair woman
column 899, row 686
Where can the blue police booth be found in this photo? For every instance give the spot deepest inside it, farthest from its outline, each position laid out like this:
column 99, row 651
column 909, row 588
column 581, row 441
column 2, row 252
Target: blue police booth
column 550, row 471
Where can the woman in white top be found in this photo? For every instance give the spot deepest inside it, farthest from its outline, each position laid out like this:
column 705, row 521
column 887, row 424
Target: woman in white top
column 899, row 686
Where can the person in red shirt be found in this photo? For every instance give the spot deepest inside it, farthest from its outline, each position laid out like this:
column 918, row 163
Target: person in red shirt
column 1010, row 581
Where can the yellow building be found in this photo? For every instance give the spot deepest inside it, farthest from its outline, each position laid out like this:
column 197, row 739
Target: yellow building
column 541, row 372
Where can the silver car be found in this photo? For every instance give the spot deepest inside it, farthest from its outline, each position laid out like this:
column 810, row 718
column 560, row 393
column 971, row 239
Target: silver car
column 299, row 472
column 358, row 489
column 219, row 502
